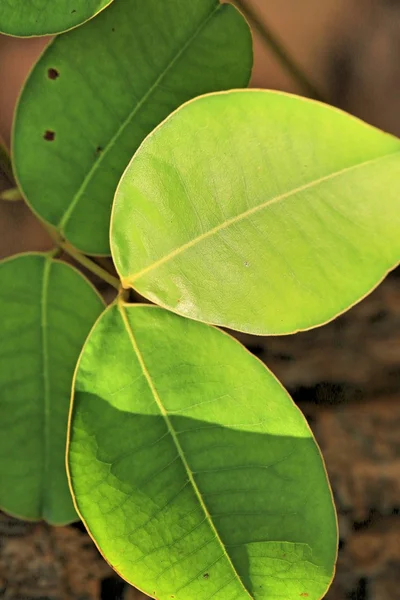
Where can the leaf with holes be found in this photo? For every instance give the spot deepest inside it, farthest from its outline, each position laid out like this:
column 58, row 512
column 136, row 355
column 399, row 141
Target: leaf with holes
column 47, row 309
column 193, row 470
column 259, row 211
column 99, row 90
column 26, row 18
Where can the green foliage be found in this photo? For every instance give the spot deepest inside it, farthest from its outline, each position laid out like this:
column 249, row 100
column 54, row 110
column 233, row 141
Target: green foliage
column 267, row 235
column 99, row 90
column 26, row 18
column 194, row 472
column 189, row 451
column 47, row 309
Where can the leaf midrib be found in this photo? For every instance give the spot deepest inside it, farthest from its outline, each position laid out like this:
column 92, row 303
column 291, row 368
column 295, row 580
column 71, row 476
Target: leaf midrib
column 68, row 213
column 171, row 430
column 130, row 279
column 46, row 384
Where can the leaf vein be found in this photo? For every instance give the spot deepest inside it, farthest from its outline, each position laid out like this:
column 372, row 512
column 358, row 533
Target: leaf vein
column 177, row 444
column 129, row 280
column 68, row 213
column 46, row 382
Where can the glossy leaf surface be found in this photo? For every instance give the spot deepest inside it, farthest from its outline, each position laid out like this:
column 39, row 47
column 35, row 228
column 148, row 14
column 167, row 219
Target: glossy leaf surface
column 26, row 18
column 47, row 309
column 193, row 470
column 259, row 211
column 99, row 90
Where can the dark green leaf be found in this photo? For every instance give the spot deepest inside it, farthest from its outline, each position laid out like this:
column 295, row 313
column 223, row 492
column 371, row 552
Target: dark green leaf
column 259, row 211
column 27, row 18
column 99, row 90
column 193, row 470
column 47, row 309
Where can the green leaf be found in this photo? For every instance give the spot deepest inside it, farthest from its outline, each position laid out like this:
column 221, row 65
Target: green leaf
column 26, row 18
column 259, row 211
column 193, row 470
column 99, row 90
column 47, row 309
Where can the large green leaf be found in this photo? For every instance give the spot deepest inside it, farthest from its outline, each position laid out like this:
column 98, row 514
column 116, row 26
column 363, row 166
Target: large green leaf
column 99, row 90
column 27, row 18
column 193, row 470
column 259, row 211
column 47, row 309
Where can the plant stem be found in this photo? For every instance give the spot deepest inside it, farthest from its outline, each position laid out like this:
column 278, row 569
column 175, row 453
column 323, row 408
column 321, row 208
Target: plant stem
column 80, row 258
column 104, row 262
column 272, row 41
column 90, row 265
column 5, row 164
column 11, row 195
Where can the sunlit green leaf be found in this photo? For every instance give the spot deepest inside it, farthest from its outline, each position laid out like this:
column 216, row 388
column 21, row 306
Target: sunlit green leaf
column 27, row 18
column 193, row 470
column 259, row 211
column 47, row 309
column 99, row 90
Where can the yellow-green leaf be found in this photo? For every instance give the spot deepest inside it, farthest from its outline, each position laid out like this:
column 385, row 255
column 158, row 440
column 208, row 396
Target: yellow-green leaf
column 191, row 467
column 259, row 211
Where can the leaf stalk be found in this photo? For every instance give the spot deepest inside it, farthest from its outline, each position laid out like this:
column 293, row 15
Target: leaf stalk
column 83, row 260
column 89, row 264
column 11, row 195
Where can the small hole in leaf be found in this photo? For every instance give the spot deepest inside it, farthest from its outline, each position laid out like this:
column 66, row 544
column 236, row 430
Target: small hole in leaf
column 206, row 576
column 49, row 135
column 99, row 149
column 53, row 74
column 73, row 11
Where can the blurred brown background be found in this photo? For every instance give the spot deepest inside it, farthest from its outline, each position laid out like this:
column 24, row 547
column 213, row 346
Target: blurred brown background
column 344, row 376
